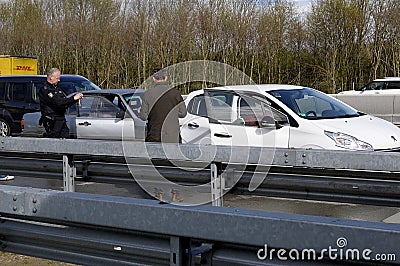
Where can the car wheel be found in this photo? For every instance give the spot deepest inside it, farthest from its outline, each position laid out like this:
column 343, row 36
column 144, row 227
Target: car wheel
column 5, row 129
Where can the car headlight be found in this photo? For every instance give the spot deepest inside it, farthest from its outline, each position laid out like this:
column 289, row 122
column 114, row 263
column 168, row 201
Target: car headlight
column 348, row 142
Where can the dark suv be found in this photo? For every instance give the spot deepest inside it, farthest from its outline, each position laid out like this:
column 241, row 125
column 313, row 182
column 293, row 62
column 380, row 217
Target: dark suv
column 19, row 94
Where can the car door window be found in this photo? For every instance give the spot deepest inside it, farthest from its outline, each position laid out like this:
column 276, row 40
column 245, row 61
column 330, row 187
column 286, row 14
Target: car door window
column 393, row 85
column 106, row 108
column 2, row 90
column 197, row 106
column 220, row 106
column 37, row 85
column 250, row 110
column 234, row 108
column 376, row 85
column 97, row 106
column 86, row 106
column 220, row 109
column 238, row 108
column 254, row 107
column 135, row 104
column 18, row 92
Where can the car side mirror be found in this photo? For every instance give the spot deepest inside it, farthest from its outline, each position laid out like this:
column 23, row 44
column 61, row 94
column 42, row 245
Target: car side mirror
column 120, row 115
column 268, row 122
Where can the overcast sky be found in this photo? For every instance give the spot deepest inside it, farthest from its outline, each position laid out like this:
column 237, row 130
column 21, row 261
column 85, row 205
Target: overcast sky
column 304, row 5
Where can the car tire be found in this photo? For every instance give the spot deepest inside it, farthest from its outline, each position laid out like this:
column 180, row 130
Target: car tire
column 5, row 129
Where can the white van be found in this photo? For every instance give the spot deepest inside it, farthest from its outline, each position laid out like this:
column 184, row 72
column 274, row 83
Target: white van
column 388, row 85
column 282, row 116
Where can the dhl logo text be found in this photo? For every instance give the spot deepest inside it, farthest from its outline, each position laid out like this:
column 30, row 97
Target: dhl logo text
column 26, row 68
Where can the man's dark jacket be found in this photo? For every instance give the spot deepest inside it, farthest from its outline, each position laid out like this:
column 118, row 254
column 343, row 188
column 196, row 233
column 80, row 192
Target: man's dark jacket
column 53, row 101
column 162, row 107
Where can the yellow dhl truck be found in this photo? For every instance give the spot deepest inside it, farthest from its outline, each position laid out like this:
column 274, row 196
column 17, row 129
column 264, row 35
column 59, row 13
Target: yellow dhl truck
column 17, row 65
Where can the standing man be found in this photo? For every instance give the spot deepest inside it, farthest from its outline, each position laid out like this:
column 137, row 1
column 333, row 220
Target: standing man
column 162, row 106
column 53, row 105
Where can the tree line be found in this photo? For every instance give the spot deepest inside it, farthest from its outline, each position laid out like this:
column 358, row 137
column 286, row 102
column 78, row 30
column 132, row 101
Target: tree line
column 336, row 45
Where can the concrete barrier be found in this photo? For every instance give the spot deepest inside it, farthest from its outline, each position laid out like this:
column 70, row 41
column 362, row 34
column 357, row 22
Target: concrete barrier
column 383, row 106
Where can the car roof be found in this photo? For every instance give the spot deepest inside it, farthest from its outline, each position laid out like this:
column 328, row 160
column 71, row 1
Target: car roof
column 388, row 79
column 115, row 91
column 71, row 76
column 260, row 87
column 25, row 77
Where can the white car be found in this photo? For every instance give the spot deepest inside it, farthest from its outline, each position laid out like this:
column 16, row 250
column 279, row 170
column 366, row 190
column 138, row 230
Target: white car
column 388, row 85
column 283, row 116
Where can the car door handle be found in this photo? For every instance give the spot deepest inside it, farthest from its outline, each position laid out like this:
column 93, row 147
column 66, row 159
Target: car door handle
column 222, row 135
column 86, row 123
column 193, row 125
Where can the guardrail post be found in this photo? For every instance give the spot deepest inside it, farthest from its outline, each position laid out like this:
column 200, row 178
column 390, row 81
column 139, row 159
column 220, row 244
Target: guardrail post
column 85, row 168
column 69, row 173
column 216, row 185
column 205, row 250
column 182, row 253
column 179, row 251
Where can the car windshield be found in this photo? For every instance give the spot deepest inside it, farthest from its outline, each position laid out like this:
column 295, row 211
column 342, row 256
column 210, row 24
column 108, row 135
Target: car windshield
column 87, row 86
column 312, row 104
column 72, row 86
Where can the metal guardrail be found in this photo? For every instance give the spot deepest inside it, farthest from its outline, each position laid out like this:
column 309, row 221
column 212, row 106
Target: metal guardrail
column 97, row 230
column 306, row 158
column 363, row 165
column 364, row 187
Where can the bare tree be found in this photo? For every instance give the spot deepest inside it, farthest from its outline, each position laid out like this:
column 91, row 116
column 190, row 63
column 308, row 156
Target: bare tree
column 116, row 43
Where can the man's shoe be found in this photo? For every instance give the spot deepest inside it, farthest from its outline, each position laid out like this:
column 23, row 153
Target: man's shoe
column 6, row 177
column 158, row 194
column 176, row 195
